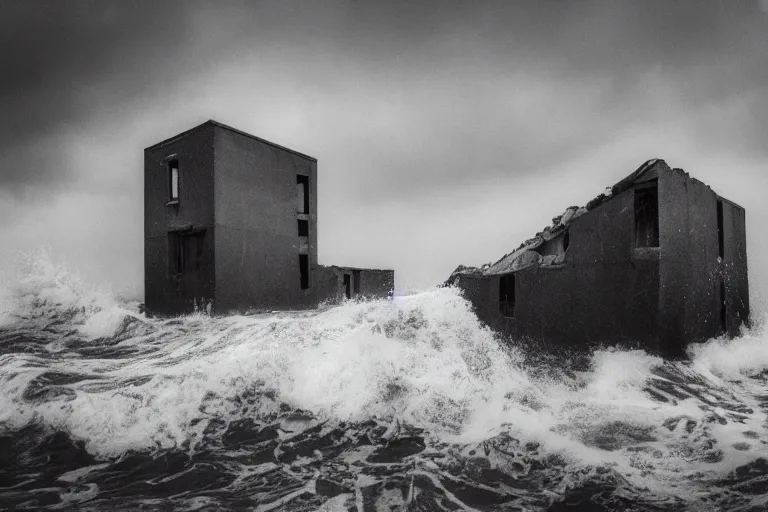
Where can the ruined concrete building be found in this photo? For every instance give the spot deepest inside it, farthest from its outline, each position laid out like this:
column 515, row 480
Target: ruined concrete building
column 656, row 262
column 230, row 224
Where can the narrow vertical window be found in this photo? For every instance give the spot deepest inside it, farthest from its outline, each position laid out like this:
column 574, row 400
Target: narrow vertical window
column 507, row 295
column 356, row 282
column 302, row 193
column 720, row 234
column 173, row 180
column 647, row 217
column 304, row 270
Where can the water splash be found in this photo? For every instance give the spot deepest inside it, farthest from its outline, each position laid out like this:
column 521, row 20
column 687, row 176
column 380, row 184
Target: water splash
column 419, row 374
column 44, row 295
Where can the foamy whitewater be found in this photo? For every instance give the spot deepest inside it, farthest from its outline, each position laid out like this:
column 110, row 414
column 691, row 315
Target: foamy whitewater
column 404, row 404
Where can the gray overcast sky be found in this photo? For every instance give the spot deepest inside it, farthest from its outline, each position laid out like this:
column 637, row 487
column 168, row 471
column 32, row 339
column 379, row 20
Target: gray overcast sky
column 446, row 132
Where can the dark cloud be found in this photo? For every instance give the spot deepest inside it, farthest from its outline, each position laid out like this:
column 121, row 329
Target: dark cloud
column 56, row 58
column 403, row 103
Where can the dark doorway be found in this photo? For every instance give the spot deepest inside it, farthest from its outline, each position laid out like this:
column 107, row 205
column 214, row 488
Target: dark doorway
column 356, row 282
column 185, row 250
column 507, row 295
column 647, row 216
column 192, row 252
column 347, row 286
column 304, row 270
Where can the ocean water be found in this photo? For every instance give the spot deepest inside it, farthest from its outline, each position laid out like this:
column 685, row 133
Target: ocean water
column 404, row 404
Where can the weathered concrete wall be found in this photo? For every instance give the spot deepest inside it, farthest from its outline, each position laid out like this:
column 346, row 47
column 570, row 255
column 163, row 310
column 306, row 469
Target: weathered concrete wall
column 675, row 248
column 701, row 311
column 166, row 294
column 702, row 318
column 690, row 270
column 477, row 290
column 376, row 283
column 734, row 267
column 257, row 242
column 602, row 294
column 329, row 284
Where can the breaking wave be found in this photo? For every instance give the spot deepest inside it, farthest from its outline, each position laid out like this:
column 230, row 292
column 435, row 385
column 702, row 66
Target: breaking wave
column 406, row 402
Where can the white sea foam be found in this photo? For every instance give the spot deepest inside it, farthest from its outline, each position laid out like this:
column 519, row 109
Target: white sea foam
column 745, row 356
column 44, row 294
column 423, row 359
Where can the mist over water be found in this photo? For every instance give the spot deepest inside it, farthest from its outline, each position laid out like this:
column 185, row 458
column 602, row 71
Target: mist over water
column 408, row 403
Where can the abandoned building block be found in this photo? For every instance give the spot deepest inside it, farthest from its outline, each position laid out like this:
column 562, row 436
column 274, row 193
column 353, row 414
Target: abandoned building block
column 230, row 222
column 657, row 263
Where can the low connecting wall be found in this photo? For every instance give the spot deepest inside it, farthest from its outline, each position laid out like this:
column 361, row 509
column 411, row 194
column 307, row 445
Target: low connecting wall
column 335, row 284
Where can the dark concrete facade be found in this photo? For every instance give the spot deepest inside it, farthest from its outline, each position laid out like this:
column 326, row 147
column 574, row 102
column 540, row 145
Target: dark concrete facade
column 257, row 240
column 230, row 224
column 165, row 290
column 594, row 279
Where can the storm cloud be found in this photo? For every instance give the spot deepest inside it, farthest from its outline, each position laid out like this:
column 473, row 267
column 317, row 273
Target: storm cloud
column 445, row 132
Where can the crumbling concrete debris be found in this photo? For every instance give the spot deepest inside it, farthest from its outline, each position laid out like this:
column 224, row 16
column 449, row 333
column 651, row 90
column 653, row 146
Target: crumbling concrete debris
column 525, row 255
column 549, row 259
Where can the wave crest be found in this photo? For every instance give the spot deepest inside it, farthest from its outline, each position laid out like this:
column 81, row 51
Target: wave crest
column 43, row 295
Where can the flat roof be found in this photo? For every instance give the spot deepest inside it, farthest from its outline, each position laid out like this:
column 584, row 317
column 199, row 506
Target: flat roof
column 211, row 122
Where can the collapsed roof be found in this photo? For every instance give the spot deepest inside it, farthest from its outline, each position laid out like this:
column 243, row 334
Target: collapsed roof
column 526, row 254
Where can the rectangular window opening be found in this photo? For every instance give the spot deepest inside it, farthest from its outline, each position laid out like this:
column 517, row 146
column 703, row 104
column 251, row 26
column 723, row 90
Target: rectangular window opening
column 720, row 234
column 173, row 180
column 647, row 217
column 304, row 270
column 507, row 295
column 303, row 227
column 556, row 246
column 302, row 193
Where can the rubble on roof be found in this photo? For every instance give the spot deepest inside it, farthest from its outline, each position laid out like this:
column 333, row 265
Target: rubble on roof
column 526, row 256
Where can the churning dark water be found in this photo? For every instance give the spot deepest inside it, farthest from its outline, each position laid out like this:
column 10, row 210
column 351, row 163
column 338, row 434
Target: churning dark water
column 388, row 405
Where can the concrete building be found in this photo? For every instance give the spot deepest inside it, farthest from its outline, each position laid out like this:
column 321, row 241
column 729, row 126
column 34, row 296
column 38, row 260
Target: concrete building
column 656, row 262
column 230, row 224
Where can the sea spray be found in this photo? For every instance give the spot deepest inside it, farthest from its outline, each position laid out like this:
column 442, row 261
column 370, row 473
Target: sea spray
column 412, row 393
